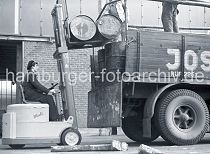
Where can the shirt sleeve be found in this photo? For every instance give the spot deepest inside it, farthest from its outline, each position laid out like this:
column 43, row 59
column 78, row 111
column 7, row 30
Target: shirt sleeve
column 33, row 80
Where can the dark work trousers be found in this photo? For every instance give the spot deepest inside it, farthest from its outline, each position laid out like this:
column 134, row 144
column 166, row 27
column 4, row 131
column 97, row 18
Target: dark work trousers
column 169, row 14
column 48, row 99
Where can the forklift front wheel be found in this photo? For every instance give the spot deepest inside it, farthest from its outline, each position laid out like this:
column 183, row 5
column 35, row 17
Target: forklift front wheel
column 17, row 146
column 71, row 137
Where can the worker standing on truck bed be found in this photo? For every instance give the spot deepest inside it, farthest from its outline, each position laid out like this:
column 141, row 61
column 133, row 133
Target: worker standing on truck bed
column 169, row 17
column 35, row 91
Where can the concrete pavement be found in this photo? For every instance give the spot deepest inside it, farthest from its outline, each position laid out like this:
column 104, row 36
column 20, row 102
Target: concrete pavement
column 91, row 137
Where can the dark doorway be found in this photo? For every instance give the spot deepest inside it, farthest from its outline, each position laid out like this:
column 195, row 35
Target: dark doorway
column 8, row 54
column 9, row 61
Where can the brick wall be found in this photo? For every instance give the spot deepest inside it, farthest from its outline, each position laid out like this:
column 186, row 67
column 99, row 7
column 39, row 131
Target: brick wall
column 42, row 52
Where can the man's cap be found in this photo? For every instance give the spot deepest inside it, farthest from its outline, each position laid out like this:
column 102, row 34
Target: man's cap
column 30, row 64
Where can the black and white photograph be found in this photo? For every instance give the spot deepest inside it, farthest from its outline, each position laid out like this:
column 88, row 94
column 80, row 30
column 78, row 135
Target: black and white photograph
column 104, row 76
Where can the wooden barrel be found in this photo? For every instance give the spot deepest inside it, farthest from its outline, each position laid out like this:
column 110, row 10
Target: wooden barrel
column 83, row 27
column 109, row 26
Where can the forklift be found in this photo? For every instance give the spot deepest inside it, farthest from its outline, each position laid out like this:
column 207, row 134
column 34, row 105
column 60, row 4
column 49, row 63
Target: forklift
column 28, row 123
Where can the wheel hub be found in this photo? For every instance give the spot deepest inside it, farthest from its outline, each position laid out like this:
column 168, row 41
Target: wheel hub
column 184, row 117
column 71, row 138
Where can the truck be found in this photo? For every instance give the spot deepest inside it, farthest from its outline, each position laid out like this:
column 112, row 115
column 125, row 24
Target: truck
column 153, row 84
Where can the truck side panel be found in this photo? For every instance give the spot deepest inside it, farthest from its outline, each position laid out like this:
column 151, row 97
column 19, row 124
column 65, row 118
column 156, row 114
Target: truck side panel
column 197, row 56
column 168, row 57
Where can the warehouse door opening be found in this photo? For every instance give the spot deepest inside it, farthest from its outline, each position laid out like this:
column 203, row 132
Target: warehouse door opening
column 9, row 59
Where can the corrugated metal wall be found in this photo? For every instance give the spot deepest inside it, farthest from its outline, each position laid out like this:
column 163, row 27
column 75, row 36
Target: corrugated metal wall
column 34, row 16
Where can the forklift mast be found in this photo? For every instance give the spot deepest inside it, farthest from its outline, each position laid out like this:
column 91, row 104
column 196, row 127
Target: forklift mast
column 64, row 43
column 62, row 34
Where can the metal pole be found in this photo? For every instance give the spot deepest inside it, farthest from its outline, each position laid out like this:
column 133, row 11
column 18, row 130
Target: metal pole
column 62, row 57
column 126, row 21
column 187, row 2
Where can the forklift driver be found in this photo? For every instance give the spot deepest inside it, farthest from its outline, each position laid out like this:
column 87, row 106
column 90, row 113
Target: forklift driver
column 35, row 91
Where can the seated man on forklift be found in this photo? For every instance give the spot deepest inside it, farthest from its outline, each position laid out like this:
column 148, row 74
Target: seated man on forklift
column 35, row 91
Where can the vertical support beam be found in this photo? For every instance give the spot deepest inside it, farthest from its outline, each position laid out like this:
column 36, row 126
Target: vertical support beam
column 20, row 16
column 126, row 21
column 141, row 12
column 101, row 4
column 41, row 18
column 204, row 17
column 182, row 58
column 19, row 68
column 62, row 57
column 17, row 16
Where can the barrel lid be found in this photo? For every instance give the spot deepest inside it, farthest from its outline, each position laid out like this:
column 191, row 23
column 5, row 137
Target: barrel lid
column 109, row 26
column 83, row 27
column 28, row 106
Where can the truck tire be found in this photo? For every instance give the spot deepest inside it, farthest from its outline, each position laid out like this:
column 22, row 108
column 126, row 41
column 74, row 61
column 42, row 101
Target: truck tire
column 182, row 117
column 132, row 127
column 71, row 137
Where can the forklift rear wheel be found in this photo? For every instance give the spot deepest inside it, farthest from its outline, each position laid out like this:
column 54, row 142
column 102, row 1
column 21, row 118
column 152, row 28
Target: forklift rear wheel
column 183, row 117
column 71, row 137
column 132, row 127
column 17, row 146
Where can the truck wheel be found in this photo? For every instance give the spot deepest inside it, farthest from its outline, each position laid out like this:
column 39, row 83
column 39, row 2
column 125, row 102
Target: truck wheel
column 71, row 137
column 182, row 117
column 132, row 127
column 17, row 146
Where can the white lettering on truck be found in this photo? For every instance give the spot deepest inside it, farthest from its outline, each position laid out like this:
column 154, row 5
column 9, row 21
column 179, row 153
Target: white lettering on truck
column 177, row 60
column 189, row 65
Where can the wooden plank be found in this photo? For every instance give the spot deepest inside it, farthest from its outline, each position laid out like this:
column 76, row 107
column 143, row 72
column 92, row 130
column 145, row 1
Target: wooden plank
column 203, row 38
column 158, row 43
column 131, row 64
column 144, row 149
column 158, row 34
column 114, row 146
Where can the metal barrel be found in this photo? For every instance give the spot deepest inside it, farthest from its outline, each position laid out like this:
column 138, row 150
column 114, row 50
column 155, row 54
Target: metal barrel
column 109, row 26
column 94, row 71
column 101, row 64
column 101, row 59
column 115, row 57
column 83, row 28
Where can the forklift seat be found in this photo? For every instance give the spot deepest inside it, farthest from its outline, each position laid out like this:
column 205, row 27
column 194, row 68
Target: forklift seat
column 24, row 101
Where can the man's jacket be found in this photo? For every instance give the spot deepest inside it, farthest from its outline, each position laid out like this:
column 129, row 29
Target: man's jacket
column 32, row 87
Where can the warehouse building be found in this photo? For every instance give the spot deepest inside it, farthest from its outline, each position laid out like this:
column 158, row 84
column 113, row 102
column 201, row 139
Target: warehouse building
column 26, row 33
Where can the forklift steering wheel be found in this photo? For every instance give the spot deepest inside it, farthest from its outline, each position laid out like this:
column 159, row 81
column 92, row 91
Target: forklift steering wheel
column 53, row 86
